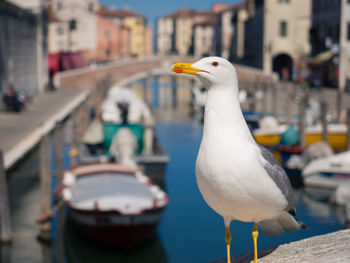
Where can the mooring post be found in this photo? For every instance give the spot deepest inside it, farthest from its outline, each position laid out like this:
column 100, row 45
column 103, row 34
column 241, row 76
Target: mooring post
column 74, row 151
column 59, row 172
column 339, row 104
column 302, row 110
column 324, row 121
column 252, row 106
column 274, row 100
column 264, row 102
column 59, row 157
column 98, row 99
column 5, row 216
column 45, row 188
column 348, row 129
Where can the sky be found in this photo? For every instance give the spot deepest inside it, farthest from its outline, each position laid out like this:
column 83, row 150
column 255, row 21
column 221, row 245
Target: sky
column 152, row 9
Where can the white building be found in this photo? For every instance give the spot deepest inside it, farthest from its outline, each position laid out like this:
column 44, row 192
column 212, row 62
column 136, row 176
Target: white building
column 344, row 66
column 165, row 35
column 287, row 25
column 76, row 26
column 204, row 26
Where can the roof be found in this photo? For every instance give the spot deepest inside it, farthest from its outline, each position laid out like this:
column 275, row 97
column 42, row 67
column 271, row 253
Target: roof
column 182, row 13
column 51, row 15
column 104, row 11
column 220, row 7
column 236, row 7
column 205, row 18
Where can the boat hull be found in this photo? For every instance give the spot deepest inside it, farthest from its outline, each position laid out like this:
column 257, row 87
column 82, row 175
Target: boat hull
column 337, row 141
column 125, row 232
column 267, row 139
column 328, row 180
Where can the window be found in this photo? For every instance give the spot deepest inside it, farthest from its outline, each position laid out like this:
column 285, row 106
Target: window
column 283, row 28
column 91, row 7
column 60, row 30
column 283, row 1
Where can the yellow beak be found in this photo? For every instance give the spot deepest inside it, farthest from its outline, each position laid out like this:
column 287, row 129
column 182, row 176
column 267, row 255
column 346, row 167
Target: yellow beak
column 185, row 68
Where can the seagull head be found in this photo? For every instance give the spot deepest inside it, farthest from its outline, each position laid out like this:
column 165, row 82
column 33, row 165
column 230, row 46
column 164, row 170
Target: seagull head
column 212, row 71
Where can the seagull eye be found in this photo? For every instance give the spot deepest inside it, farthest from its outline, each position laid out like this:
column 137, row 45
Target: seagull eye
column 215, row 64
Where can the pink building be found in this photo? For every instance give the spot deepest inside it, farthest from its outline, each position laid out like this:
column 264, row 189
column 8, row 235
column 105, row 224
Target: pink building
column 108, row 40
column 149, row 41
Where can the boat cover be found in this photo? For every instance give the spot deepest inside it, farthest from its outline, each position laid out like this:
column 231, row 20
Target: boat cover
column 110, row 191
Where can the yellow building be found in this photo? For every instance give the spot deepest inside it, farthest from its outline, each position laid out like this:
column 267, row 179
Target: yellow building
column 137, row 26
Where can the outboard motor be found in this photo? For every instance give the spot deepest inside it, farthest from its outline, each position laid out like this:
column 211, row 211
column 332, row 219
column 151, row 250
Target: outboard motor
column 124, row 111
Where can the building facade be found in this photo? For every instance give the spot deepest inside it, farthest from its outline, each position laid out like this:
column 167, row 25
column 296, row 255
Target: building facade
column 325, row 41
column 108, row 40
column 23, row 48
column 175, row 32
column 136, row 28
column 231, row 31
column 149, row 41
column 165, row 35
column 287, row 25
column 204, row 35
column 272, row 35
column 75, row 28
column 344, row 58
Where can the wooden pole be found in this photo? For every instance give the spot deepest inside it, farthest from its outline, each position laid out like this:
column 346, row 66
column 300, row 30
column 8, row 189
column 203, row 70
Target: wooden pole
column 74, row 151
column 302, row 110
column 274, row 100
column 264, row 102
column 45, row 188
column 348, row 130
column 5, row 216
column 339, row 104
column 59, row 157
column 324, row 121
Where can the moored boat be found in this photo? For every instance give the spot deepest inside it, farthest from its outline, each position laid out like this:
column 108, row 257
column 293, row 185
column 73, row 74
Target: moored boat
column 123, row 109
column 328, row 172
column 269, row 136
column 113, row 204
column 337, row 135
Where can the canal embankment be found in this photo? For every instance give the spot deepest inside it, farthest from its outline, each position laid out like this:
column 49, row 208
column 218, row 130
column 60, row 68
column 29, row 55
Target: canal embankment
column 333, row 247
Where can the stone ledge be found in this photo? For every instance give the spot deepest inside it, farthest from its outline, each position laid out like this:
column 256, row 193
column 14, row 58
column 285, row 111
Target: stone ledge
column 333, row 247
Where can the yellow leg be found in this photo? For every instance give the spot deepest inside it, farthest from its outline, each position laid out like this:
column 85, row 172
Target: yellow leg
column 228, row 242
column 255, row 235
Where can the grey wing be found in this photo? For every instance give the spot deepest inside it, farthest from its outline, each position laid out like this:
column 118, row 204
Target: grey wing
column 279, row 176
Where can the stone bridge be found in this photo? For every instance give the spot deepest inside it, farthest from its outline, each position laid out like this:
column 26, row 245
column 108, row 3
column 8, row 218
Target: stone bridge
column 87, row 78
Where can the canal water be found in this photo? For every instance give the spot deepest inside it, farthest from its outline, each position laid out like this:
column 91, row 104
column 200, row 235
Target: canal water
column 190, row 231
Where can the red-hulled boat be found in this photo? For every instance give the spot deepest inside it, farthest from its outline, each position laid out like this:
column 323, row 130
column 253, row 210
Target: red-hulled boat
column 113, row 204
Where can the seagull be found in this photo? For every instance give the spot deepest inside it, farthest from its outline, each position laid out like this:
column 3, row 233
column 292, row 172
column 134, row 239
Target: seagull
column 239, row 179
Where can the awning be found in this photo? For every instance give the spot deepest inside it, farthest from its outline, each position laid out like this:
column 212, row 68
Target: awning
column 321, row 57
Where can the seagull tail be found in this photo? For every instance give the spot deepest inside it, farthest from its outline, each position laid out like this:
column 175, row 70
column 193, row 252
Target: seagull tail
column 277, row 226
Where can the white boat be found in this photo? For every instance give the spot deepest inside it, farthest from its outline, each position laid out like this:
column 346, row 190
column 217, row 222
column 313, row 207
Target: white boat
column 327, row 172
column 124, row 110
column 113, row 204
